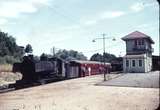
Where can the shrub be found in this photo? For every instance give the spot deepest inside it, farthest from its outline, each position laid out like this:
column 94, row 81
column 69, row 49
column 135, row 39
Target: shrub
column 5, row 68
column 2, row 60
column 8, row 60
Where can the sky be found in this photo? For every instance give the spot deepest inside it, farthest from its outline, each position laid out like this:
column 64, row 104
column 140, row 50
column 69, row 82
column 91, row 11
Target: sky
column 73, row 24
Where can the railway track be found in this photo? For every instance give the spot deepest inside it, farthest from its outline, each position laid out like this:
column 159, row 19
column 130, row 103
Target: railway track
column 25, row 84
column 7, row 90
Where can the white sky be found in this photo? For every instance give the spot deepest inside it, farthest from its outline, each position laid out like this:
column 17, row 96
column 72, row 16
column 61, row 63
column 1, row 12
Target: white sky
column 73, row 24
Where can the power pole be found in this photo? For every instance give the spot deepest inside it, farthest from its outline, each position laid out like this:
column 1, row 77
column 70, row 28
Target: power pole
column 53, row 49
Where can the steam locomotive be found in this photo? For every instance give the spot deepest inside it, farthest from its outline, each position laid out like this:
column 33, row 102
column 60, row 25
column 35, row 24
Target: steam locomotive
column 36, row 72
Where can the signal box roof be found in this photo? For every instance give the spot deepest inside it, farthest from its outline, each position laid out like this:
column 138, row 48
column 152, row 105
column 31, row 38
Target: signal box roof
column 137, row 35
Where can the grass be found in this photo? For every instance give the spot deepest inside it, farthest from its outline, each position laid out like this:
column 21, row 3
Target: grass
column 6, row 68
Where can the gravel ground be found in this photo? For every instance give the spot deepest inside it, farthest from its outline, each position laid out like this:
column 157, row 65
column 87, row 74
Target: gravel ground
column 81, row 94
column 144, row 80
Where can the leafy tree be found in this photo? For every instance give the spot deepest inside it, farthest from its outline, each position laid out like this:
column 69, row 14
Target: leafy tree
column 28, row 48
column 43, row 57
column 9, row 50
column 109, row 57
column 70, row 54
column 99, row 57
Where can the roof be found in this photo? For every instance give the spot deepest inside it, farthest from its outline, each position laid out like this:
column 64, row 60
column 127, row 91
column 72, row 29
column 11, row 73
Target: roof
column 88, row 62
column 137, row 35
column 135, row 56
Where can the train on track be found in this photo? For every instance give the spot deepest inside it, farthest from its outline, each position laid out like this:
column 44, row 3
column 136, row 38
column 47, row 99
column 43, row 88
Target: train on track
column 37, row 72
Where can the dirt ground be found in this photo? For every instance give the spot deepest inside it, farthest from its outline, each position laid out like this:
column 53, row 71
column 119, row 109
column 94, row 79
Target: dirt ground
column 81, row 94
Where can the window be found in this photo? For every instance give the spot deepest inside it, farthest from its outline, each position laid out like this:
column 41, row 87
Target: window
column 140, row 63
column 127, row 63
column 133, row 63
column 135, row 42
column 141, row 42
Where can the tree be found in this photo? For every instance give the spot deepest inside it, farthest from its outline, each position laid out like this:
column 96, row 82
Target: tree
column 109, row 57
column 70, row 54
column 99, row 57
column 28, row 49
column 10, row 52
column 44, row 57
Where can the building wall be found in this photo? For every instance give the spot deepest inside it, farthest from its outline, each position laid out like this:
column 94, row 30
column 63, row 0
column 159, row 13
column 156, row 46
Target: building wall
column 147, row 44
column 130, row 45
column 137, row 49
column 146, row 64
column 131, row 68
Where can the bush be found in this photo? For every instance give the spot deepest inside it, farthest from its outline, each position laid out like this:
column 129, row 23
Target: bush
column 2, row 60
column 5, row 68
column 8, row 60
